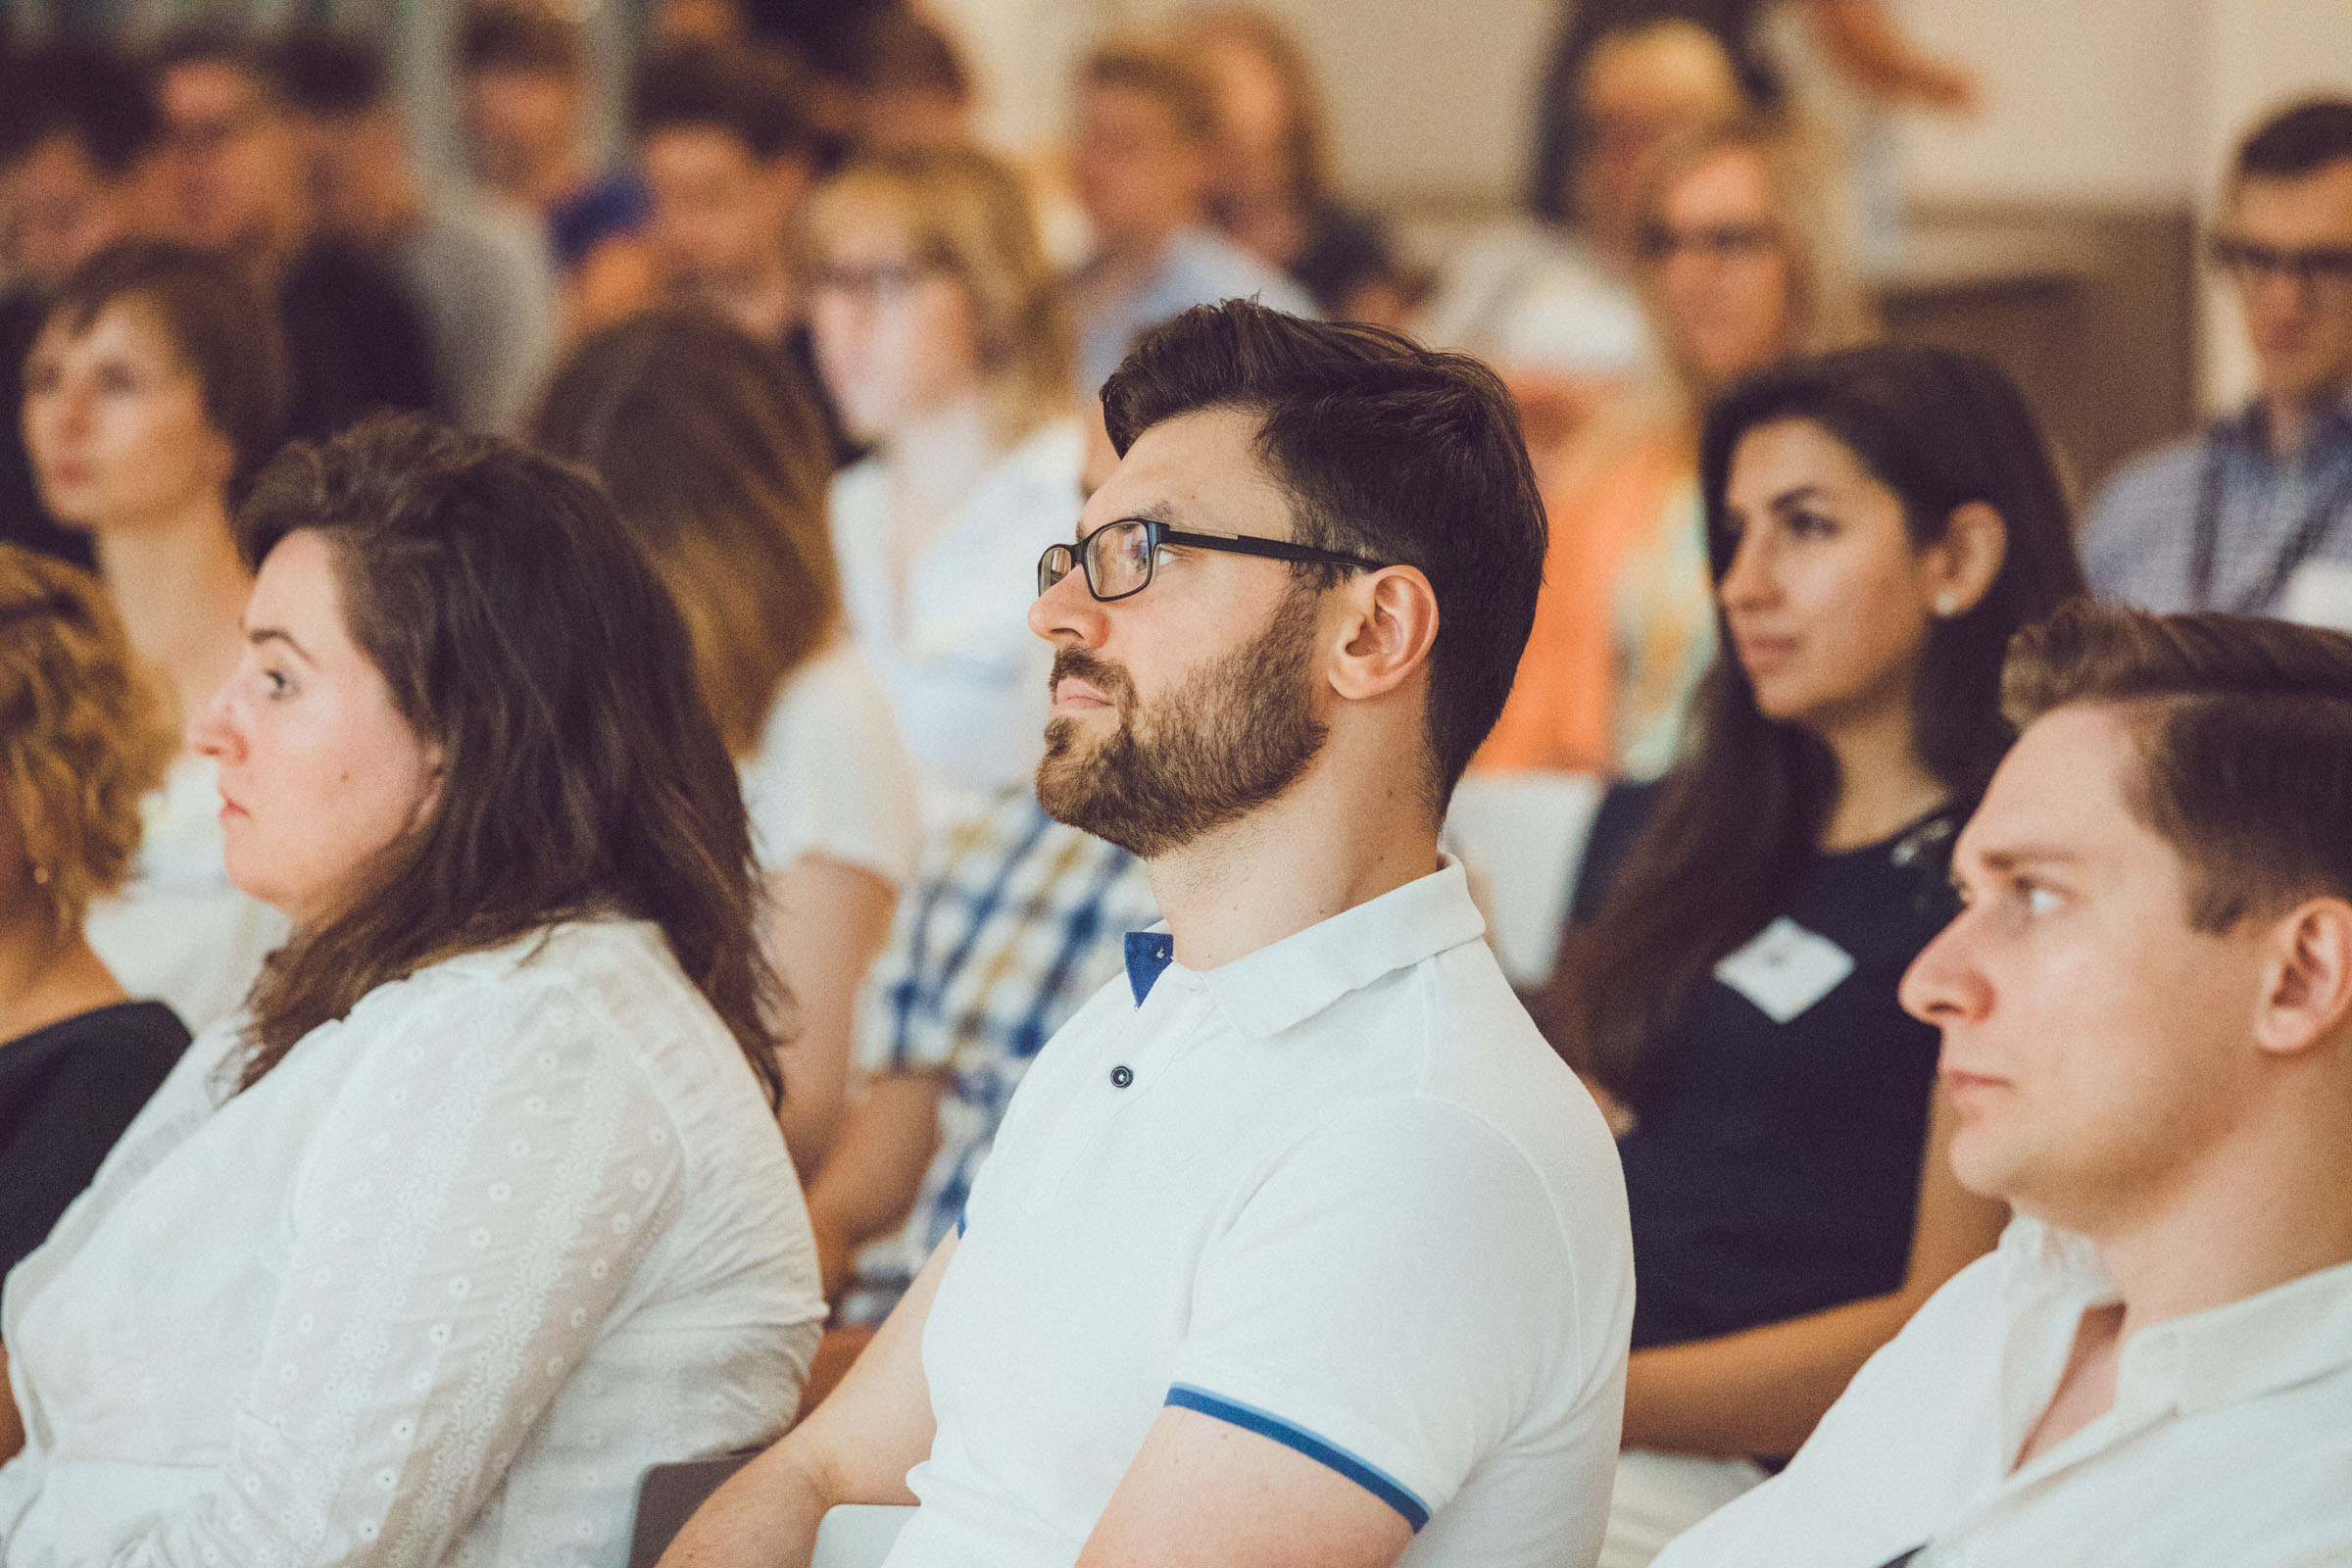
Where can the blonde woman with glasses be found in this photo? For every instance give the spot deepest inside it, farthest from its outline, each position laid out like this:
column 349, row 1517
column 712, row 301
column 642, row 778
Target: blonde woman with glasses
column 942, row 341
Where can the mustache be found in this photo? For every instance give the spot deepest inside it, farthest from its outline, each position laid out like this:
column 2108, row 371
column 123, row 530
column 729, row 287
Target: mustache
column 1111, row 680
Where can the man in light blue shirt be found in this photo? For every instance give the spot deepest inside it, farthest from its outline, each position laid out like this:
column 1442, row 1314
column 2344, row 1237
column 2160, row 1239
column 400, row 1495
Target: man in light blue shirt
column 1145, row 122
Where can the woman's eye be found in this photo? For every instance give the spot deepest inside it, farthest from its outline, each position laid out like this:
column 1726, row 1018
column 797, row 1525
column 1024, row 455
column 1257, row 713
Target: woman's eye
column 116, row 378
column 276, row 682
column 1811, row 525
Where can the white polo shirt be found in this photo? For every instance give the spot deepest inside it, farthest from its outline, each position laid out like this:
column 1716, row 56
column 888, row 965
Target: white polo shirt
column 2230, row 1442
column 1338, row 1191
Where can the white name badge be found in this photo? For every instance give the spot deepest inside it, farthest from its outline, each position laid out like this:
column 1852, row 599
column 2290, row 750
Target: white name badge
column 2320, row 593
column 1785, row 970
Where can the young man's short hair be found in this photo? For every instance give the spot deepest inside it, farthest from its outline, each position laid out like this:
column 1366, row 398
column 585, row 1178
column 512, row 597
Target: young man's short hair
column 524, row 38
column 2298, row 141
column 758, row 94
column 2243, row 728
column 1158, row 67
column 326, row 73
column 1387, row 451
column 96, row 96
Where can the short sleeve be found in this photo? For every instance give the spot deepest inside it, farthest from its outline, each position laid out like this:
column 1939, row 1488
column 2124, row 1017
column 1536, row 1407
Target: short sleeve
column 1396, row 1301
column 831, row 775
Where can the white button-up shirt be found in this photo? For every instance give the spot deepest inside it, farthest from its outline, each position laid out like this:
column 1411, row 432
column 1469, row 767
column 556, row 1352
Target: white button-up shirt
column 2230, row 1441
column 1337, row 1192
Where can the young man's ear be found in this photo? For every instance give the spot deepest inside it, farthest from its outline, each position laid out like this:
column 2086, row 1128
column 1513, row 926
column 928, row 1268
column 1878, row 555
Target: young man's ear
column 1392, row 622
column 2306, row 997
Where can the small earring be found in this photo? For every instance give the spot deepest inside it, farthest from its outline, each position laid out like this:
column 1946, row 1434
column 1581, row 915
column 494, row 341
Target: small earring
column 1947, row 605
column 40, row 877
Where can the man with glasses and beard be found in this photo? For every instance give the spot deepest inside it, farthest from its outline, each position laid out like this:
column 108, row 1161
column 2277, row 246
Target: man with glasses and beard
column 2253, row 514
column 1297, row 1244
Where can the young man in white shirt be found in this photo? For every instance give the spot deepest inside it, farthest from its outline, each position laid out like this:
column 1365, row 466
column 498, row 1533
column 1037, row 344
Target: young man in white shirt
column 1297, row 1244
column 2147, row 1008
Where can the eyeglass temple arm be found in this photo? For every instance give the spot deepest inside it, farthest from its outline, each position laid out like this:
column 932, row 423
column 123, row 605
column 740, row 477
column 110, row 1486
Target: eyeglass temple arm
column 1273, row 549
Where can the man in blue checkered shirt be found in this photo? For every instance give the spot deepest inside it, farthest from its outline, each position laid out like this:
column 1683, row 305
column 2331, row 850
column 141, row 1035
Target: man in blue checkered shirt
column 1014, row 922
column 2254, row 515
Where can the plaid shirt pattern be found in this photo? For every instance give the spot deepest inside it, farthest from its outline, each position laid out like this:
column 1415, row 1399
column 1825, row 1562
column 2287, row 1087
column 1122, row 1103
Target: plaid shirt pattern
column 1015, row 921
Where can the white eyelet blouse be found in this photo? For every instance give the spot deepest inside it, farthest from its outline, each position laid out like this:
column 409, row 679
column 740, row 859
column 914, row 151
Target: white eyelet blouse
column 438, row 1289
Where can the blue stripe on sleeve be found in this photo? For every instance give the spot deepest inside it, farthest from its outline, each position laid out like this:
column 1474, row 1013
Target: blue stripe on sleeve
column 1266, row 1424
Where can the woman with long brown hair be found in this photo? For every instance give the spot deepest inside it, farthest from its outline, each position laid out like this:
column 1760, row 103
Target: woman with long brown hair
column 1879, row 523
column 480, row 1209
column 715, row 455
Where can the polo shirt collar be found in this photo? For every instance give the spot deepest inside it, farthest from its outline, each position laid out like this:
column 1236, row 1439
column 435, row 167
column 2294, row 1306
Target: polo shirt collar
column 1286, row 983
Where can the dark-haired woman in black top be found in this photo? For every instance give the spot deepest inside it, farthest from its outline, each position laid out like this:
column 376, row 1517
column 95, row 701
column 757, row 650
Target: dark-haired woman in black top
column 1880, row 522
column 80, row 745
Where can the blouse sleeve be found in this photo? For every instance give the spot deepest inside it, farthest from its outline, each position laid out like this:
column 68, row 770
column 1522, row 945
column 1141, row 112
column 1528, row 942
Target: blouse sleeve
column 831, row 776
column 476, row 1204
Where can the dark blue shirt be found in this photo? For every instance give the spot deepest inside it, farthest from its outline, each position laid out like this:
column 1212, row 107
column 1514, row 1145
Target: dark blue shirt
column 616, row 204
column 1775, row 1170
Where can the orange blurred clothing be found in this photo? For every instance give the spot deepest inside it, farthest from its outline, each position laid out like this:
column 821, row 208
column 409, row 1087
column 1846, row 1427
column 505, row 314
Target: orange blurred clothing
column 1601, row 509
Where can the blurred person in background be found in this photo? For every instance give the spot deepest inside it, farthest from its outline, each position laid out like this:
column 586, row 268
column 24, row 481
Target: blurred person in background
column 155, row 388
column 2253, row 515
column 716, row 458
column 523, row 76
column 1880, row 522
column 81, row 746
column 728, row 155
column 1144, row 153
column 234, row 170
column 489, row 1161
column 475, row 272
column 1273, row 194
column 908, row 83
column 78, row 133
column 1743, row 264
column 941, row 334
column 1549, row 297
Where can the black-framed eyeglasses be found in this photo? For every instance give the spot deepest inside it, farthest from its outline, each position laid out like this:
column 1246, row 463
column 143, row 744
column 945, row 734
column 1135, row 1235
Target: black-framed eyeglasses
column 1118, row 558
column 2250, row 264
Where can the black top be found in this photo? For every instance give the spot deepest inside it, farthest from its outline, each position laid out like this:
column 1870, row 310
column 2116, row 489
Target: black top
column 67, row 1092
column 24, row 520
column 352, row 344
column 1775, row 1171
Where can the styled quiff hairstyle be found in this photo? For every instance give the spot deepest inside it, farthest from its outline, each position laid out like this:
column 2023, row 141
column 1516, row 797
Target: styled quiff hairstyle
column 967, row 213
column 1384, row 451
column 529, row 645
column 82, row 739
column 2244, row 729
column 221, row 328
column 716, row 457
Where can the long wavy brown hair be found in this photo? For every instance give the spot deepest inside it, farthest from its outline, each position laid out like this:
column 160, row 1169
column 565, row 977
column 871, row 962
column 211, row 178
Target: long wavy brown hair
column 526, row 638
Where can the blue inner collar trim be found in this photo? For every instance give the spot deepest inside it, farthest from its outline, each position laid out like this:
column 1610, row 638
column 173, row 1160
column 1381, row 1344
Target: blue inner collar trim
column 1149, row 954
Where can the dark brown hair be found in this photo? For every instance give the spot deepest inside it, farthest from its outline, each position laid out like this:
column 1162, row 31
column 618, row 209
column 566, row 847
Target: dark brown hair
column 221, row 328
column 1387, row 451
column 1158, row 66
column 2244, row 732
column 524, row 636
column 757, row 93
column 1741, row 816
column 521, row 36
column 717, row 460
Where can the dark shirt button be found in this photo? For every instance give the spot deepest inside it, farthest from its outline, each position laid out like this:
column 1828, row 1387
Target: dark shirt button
column 1121, row 1076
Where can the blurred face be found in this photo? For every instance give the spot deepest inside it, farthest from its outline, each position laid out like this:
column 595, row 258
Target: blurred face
column 1254, row 119
column 518, row 122
column 1828, row 605
column 2094, row 1044
column 897, row 336
column 1139, row 178
column 115, row 424
column 233, row 164
column 2293, row 240
column 319, row 773
column 1194, row 703
column 358, row 172
column 1718, row 272
column 65, row 209
column 720, row 214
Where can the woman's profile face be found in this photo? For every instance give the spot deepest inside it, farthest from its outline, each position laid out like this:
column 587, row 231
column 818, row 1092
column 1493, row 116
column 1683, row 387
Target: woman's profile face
column 1828, row 602
column 897, row 338
column 320, row 772
column 114, row 422
column 1719, row 272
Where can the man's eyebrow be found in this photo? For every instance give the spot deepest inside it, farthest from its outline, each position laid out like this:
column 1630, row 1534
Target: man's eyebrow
column 1157, row 512
column 2013, row 857
column 257, row 635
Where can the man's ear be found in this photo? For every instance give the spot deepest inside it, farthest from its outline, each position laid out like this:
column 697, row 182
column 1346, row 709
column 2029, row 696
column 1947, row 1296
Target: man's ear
column 1390, row 624
column 2306, row 996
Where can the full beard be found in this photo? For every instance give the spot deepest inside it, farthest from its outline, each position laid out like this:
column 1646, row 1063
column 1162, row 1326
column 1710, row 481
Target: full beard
column 1233, row 736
